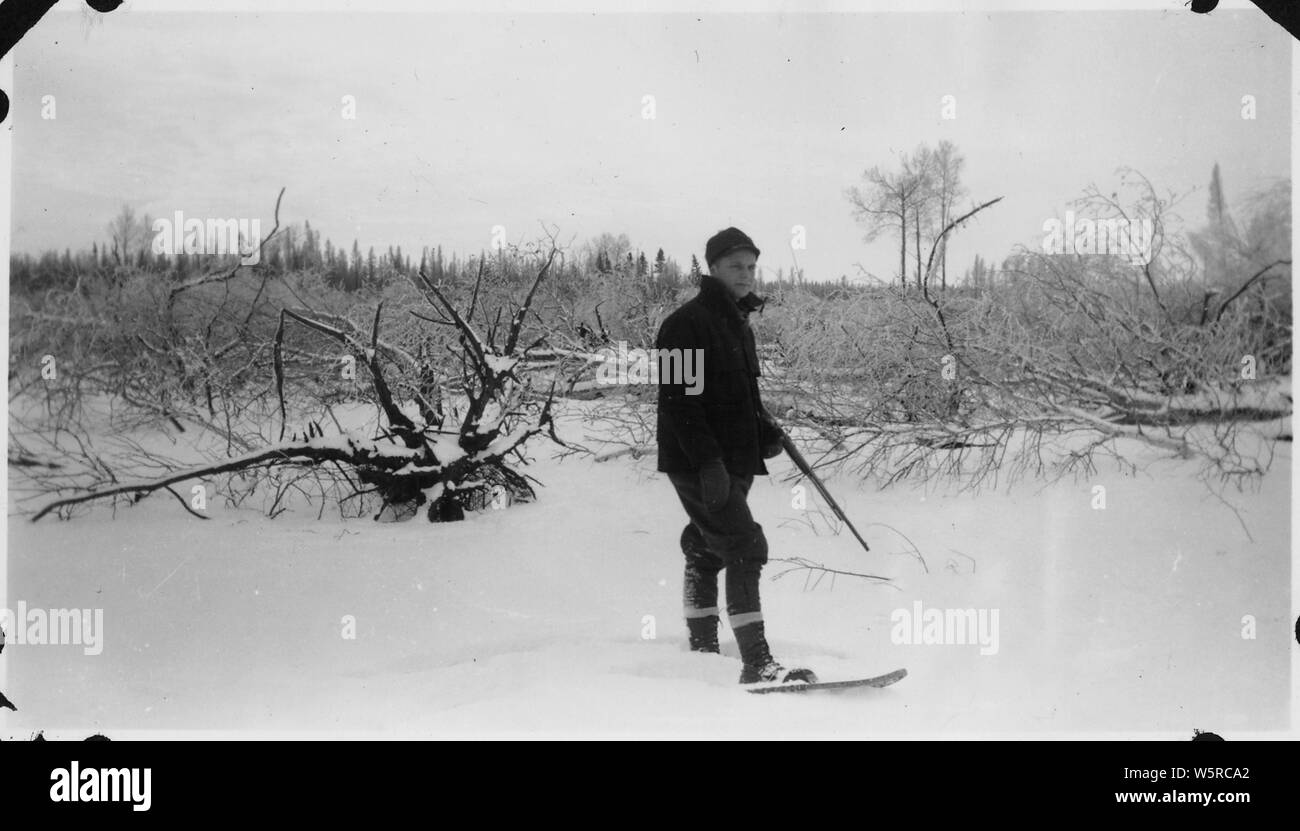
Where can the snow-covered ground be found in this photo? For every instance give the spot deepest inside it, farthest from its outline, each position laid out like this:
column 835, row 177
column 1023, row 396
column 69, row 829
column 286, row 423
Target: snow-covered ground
column 563, row 617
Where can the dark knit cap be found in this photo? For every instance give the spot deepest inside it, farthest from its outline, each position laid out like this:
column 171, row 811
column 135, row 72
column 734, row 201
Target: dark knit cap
column 724, row 242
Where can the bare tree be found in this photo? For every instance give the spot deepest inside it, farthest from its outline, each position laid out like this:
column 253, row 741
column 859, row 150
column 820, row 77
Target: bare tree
column 124, row 230
column 919, row 197
column 948, row 164
column 886, row 203
column 919, row 167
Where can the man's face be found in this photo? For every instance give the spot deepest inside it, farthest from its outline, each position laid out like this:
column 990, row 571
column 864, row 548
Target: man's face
column 737, row 271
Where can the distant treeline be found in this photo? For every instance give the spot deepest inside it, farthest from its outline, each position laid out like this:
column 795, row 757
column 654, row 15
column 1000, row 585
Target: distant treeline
column 300, row 248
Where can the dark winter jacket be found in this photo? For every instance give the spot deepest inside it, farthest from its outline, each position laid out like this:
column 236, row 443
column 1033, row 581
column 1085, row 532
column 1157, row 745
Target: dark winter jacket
column 726, row 420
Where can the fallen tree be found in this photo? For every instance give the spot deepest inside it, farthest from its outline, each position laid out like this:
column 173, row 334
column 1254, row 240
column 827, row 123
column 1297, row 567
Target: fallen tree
column 1061, row 359
column 414, row 458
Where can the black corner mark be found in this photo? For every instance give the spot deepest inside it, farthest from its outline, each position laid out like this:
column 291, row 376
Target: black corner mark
column 1297, row 630
column 17, row 17
column 1198, row 736
column 1283, row 12
column 5, row 702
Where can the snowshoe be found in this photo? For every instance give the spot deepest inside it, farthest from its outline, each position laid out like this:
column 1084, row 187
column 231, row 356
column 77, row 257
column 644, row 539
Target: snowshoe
column 774, row 672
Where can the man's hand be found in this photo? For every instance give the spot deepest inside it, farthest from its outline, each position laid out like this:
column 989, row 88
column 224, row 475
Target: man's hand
column 715, row 484
column 770, row 435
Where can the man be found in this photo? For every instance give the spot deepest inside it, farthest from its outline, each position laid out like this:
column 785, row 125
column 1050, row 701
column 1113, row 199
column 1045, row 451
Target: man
column 711, row 445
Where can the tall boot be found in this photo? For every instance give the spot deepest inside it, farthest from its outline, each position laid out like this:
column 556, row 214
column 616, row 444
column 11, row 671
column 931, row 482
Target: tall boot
column 699, row 594
column 746, row 617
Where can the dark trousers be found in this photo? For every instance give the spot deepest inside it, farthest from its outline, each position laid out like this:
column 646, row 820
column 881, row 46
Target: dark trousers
column 712, row 541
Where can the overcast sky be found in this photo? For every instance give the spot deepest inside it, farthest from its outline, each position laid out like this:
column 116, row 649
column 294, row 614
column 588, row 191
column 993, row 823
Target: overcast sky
column 469, row 121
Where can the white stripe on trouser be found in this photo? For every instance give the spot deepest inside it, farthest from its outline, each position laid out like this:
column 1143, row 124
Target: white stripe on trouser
column 745, row 619
column 712, row 611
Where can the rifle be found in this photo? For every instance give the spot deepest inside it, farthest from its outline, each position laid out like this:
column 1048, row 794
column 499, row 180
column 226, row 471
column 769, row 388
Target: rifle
column 802, row 463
